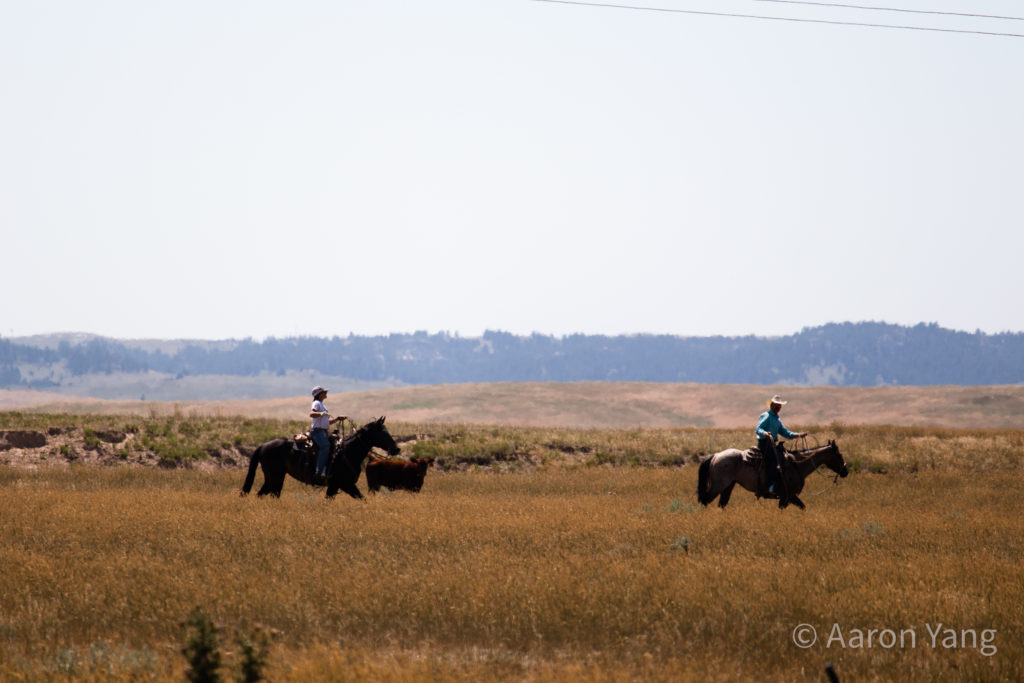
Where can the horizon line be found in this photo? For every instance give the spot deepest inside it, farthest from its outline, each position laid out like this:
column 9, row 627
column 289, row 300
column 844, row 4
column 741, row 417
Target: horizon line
column 86, row 336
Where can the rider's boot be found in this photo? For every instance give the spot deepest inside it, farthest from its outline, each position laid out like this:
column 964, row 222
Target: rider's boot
column 775, row 486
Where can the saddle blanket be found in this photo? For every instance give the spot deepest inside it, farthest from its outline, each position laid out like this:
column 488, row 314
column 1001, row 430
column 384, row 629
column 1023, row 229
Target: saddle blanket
column 754, row 456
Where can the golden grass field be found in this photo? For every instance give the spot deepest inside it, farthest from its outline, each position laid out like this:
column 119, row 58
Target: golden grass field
column 563, row 568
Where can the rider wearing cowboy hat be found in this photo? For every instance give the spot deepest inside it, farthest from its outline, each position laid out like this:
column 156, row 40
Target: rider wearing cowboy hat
column 318, row 432
column 769, row 426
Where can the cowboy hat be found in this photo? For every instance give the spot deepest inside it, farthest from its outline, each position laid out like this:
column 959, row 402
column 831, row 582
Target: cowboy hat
column 776, row 400
column 317, row 391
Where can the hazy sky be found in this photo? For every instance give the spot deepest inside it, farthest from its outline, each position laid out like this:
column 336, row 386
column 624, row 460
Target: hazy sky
column 197, row 169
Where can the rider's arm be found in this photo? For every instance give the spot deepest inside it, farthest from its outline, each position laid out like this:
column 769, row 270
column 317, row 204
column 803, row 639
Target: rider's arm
column 762, row 432
column 790, row 435
column 318, row 413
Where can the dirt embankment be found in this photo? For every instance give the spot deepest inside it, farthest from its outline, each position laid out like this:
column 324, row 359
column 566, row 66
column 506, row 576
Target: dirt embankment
column 32, row 448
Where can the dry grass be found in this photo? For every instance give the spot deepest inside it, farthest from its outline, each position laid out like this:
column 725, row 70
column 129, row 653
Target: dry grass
column 605, row 405
column 557, row 573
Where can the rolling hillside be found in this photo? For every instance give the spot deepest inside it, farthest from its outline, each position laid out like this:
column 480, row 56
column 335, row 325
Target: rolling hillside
column 604, row 405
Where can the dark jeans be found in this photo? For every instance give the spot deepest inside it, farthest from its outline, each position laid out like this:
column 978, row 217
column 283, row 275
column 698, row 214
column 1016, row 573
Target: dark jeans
column 323, row 445
column 771, row 459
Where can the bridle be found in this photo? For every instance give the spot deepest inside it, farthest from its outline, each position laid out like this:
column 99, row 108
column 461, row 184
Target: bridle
column 356, row 431
column 835, row 480
column 801, row 456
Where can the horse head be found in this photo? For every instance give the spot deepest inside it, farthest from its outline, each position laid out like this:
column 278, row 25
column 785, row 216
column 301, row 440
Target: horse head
column 835, row 460
column 380, row 437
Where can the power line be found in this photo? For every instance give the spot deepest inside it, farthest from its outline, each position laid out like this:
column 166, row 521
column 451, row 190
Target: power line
column 894, row 9
column 791, row 19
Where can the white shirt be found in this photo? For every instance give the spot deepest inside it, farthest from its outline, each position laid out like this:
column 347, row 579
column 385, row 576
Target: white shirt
column 320, row 422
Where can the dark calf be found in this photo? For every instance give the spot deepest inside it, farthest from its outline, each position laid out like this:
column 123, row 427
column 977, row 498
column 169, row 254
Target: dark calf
column 396, row 474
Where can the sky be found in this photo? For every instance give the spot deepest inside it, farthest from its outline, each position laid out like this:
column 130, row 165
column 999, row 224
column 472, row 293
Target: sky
column 230, row 170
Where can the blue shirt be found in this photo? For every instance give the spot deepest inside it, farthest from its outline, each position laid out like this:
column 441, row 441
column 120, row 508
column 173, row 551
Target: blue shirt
column 769, row 424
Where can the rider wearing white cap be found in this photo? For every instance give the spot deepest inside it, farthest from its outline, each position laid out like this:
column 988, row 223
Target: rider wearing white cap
column 318, row 432
column 769, row 426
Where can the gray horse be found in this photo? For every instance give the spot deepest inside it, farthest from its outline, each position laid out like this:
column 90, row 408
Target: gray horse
column 720, row 472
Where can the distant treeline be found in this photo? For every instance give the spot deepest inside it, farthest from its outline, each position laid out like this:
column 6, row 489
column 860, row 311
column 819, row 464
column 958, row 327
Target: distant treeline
column 845, row 354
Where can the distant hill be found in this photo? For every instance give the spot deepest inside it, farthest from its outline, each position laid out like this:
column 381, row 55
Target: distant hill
column 841, row 354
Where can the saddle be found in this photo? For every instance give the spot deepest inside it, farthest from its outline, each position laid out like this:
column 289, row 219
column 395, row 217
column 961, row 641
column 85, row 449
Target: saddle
column 303, row 443
column 306, row 448
column 754, row 456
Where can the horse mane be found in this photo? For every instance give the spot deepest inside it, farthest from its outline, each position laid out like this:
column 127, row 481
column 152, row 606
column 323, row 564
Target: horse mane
column 347, row 441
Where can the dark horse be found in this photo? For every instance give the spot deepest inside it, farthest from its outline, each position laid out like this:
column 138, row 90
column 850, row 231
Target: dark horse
column 278, row 458
column 721, row 471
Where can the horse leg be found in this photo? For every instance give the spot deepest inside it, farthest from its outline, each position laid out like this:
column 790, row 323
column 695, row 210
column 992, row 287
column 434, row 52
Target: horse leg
column 270, row 487
column 352, row 490
column 268, row 478
column 348, row 487
column 723, row 497
column 792, row 484
column 273, row 478
column 785, row 497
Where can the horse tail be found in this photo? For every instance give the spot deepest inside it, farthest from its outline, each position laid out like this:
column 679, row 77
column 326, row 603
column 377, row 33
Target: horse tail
column 703, row 474
column 254, row 461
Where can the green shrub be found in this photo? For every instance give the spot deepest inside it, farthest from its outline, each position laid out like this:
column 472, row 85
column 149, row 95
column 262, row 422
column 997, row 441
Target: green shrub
column 254, row 648
column 202, row 650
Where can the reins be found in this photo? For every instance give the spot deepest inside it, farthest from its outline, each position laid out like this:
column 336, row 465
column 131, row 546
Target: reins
column 798, row 459
column 835, row 480
column 340, row 455
column 801, row 455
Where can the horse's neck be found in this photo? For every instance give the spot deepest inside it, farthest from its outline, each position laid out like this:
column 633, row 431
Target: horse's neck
column 809, row 462
column 357, row 447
